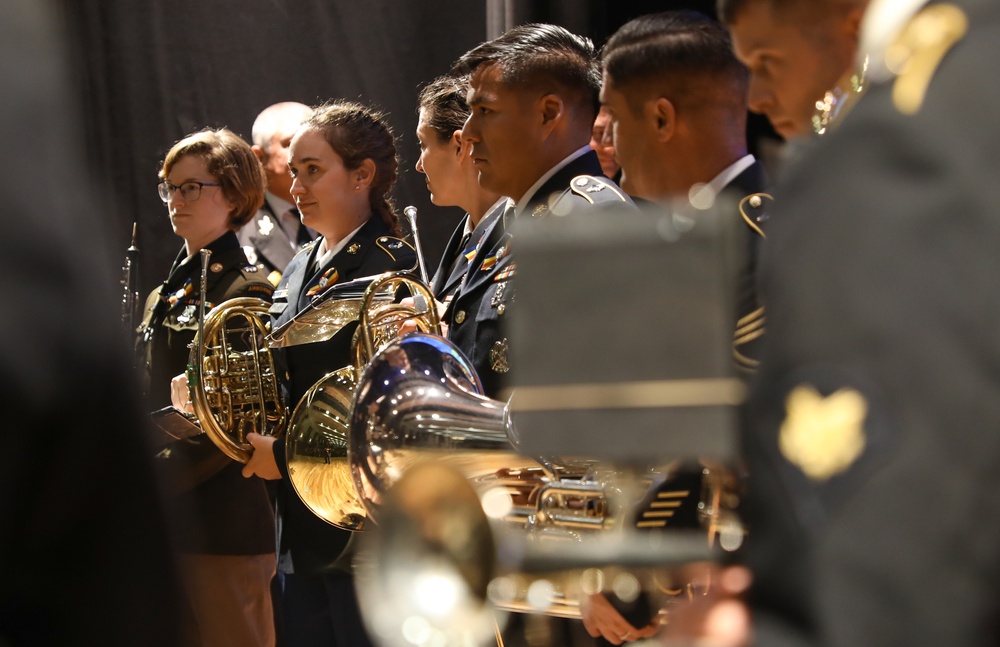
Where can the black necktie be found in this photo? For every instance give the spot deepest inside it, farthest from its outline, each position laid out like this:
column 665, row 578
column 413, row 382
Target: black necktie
column 460, row 253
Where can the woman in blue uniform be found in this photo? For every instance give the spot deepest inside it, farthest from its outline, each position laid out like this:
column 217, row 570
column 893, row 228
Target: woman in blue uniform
column 343, row 164
column 452, row 178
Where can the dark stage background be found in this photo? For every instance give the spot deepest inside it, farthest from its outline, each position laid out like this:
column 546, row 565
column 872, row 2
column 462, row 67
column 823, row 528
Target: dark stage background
column 150, row 72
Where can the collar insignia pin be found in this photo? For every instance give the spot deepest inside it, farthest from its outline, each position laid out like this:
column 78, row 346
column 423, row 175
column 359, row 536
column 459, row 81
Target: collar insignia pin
column 265, row 226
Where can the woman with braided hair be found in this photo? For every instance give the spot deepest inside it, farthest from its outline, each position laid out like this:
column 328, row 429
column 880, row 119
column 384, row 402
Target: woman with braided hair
column 343, row 164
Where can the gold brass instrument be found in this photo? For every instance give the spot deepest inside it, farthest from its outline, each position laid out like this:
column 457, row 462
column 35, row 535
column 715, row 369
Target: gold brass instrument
column 419, row 403
column 420, row 399
column 317, row 441
column 235, row 390
column 231, row 376
column 440, row 566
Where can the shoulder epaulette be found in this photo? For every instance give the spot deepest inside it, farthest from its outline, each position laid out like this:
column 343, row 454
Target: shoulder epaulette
column 307, row 247
column 753, row 208
column 392, row 245
column 596, row 189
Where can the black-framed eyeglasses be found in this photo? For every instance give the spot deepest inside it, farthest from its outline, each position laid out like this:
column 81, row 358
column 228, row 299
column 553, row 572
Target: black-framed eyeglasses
column 190, row 191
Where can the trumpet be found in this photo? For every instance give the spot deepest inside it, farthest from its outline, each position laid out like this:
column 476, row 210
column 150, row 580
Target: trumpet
column 443, row 560
column 419, row 402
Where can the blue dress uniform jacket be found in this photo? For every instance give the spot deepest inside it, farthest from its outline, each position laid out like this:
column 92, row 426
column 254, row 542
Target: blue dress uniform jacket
column 476, row 313
column 314, row 544
column 207, row 519
column 451, row 270
column 872, row 431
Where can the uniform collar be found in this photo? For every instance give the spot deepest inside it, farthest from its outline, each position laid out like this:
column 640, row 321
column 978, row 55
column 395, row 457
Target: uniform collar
column 522, row 204
column 224, row 243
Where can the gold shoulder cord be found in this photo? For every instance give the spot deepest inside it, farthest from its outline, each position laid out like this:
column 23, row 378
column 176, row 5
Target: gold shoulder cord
column 753, row 200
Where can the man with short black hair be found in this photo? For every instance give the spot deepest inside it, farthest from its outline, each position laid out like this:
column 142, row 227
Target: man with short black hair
column 677, row 98
column 533, row 93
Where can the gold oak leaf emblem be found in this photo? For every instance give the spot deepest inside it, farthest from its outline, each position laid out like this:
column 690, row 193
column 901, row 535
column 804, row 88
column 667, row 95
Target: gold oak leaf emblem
column 823, row 436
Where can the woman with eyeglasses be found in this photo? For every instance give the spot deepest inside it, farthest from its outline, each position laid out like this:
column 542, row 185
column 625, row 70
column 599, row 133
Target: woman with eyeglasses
column 343, row 165
column 211, row 183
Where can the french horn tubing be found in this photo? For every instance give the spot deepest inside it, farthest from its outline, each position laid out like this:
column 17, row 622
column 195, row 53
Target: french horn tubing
column 317, row 440
column 231, row 377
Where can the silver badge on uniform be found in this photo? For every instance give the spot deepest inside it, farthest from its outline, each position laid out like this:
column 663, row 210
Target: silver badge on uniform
column 497, row 297
column 264, row 226
column 498, row 356
column 186, row 315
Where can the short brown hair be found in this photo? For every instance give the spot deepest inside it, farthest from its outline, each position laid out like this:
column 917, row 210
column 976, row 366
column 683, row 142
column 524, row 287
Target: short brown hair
column 231, row 161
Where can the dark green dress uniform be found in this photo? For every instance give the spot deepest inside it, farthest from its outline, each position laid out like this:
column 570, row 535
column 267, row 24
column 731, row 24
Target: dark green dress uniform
column 872, row 434
column 476, row 314
column 318, row 597
column 207, row 520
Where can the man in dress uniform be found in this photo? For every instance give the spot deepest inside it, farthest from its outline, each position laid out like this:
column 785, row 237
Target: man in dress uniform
column 871, row 432
column 534, row 97
column 677, row 99
column 276, row 233
column 801, row 56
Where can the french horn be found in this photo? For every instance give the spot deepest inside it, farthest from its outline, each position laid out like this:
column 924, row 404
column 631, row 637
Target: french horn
column 231, row 376
column 317, row 440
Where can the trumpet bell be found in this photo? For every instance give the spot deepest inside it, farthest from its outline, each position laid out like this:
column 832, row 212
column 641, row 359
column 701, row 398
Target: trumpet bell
column 317, row 454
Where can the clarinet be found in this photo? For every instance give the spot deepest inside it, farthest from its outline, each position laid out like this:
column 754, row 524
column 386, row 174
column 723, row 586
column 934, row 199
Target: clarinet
column 130, row 285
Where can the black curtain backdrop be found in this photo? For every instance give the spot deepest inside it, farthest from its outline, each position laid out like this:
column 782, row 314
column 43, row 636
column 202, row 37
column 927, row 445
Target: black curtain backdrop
column 151, row 71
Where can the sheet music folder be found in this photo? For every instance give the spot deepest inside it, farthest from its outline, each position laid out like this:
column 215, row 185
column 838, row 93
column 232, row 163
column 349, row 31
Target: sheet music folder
column 620, row 344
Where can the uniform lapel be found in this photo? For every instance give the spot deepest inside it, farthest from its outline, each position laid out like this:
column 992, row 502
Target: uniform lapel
column 442, row 282
column 495, row 242
column 751, row 180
